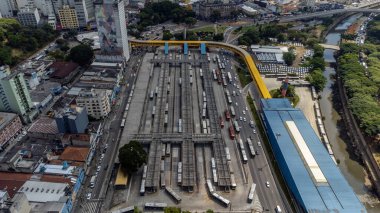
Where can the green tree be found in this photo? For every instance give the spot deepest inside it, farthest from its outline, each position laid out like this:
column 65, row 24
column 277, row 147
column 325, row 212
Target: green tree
column 5, row 56
column 215, row 15
column 166, row 35
column 317, row 63
column 209, row 211
column 172, row 210
column 136, row 210
column 31, row 45
column 190, row 21
column 252, row 36
column 81, row 54
column 218, row 37
column 318, row 50
column 132, row 156
column 317, row 79
column 289, row 58
column 64, row 48
column 311, row 42
column 281, row 37
column 57, row 55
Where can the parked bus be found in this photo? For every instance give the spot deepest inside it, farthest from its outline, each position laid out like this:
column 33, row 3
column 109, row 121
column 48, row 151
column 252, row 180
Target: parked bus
column 236, row 126
column 174, row 195
column 229, row 76
column 155, row 206
column 251, row 192
column 233, row 114
column 251, row 148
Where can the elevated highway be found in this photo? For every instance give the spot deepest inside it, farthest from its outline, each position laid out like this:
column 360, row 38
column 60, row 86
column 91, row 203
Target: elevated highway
column 327, row 13
column 244, row 54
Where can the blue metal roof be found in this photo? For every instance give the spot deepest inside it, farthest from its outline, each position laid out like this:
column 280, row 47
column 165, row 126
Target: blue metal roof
column 313, row 196
column 276, row 103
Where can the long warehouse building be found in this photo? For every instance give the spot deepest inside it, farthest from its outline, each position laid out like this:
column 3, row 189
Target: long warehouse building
column 310, row 173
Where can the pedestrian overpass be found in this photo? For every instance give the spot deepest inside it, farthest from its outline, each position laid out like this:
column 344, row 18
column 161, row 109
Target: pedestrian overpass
column 330, row 46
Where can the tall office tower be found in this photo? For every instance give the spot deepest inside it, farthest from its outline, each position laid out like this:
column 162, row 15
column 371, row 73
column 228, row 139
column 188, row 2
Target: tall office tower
column 44, row 6
column 112, row 27
column 90, row 9
column 6, row 8
column 81, row 9
column 14, row 94
column 25, row 4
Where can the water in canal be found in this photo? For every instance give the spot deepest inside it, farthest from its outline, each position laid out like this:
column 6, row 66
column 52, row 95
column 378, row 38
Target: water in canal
column 351, row 169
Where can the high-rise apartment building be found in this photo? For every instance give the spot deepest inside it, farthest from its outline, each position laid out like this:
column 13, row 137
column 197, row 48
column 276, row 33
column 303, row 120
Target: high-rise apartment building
column 24, row 3
column 14, row 94
column 6, row 8
column 84, row 8
column 82, row 14
column 44, row 6
column 112, row 27
column 97, row 102
column 29, row 16
column 68, row 17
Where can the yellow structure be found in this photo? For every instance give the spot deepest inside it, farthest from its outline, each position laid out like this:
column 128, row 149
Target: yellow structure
column 68, row 17
column 212, row 44
column 121, row 178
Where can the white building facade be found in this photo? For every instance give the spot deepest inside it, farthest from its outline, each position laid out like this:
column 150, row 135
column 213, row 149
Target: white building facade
column 97, row 102
column 6, row 8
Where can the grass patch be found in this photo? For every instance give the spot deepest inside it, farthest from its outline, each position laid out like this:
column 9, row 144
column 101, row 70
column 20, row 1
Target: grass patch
column 244, row 76
column 17, row 53
column 209, row 28
column 270, row 155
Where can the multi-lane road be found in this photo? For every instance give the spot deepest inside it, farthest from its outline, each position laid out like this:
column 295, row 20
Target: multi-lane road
column 259, row 167
column 95, row 199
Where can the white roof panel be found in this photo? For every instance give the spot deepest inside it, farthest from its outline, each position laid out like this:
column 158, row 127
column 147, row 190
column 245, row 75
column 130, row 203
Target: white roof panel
column 305, row 152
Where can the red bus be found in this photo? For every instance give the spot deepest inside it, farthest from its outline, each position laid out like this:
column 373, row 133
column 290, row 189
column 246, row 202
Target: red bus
column 221, row 122
column 228, row 116
column 232, row 132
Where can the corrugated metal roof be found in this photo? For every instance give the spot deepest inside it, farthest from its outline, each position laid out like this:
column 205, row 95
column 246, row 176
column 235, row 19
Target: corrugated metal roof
column 276, row 103
column 305, row 153
column 336, row 194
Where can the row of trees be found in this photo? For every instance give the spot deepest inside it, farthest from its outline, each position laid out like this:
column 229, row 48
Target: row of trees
column 263, row 33
column 362, row 86
column 159, row 12
column 194, row 36
column 317, row 65
column 373, row 32
column 22, row 40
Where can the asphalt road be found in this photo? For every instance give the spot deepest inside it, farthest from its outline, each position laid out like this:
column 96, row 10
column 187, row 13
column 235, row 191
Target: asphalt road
column 259, row 167
column 111, row 133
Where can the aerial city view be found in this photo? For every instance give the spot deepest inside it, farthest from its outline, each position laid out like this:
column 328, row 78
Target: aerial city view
column 113, row 106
